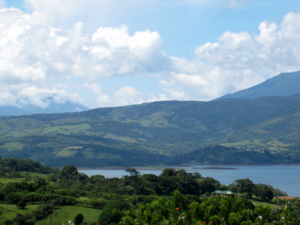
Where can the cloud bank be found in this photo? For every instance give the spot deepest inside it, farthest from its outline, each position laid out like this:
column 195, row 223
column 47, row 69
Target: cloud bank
column 39, row 58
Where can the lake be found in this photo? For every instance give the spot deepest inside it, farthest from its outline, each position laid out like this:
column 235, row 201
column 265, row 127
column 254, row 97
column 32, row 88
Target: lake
column 285, row 178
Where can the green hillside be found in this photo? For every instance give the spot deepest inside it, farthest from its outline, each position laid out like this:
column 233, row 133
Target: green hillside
column 154, row 133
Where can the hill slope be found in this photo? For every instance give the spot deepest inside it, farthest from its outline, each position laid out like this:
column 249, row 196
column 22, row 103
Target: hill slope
column 155, row 132
column 285, row 84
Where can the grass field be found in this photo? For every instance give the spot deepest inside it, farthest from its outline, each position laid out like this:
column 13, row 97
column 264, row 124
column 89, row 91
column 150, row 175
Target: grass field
column 66, row 129
column 124, row 139
column 266, row 204
column 11, row 180
column 65, row 213
column 10, row 211
column 13, row 146
column 61, row 214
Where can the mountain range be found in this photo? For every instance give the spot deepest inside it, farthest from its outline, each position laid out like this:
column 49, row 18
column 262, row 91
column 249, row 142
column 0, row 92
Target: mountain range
column 261, row 130
column 53, row 107
column 284, row 84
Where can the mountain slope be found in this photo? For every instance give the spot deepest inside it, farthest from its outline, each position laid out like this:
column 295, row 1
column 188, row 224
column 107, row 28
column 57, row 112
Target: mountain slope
column 285, row 84
column 151, row 133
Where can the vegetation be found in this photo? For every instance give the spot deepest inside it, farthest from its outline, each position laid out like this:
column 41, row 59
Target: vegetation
column 173, row 197
column 251, row 131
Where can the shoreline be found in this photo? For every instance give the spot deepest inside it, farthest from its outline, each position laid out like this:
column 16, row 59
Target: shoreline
column 196, row 166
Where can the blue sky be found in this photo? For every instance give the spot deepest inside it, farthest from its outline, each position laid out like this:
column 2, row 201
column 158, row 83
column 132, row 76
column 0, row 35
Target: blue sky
column 110, row 53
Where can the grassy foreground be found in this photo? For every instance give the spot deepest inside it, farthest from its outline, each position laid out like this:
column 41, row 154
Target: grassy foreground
column 61, row 214
column 65, row 213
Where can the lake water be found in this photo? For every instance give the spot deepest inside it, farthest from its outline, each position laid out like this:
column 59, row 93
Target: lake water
column 285, row 178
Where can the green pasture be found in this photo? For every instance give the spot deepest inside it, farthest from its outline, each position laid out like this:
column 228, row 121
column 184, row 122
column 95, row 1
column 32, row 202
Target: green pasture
column 12, row 146
column 63, row 214
column 273, row 145
column 68, row 151
column 119, row 138
column 155, row 120
column 10, row 211
column 11, row 180
column 66, row 129
column 266, row 204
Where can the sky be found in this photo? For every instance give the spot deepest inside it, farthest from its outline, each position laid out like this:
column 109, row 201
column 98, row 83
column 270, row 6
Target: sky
column 104, row 53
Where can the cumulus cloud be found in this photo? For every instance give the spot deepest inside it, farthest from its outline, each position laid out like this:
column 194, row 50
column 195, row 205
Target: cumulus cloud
column 39, row 59
column 70, row 11
column 41, row 96
column 36, row 53
column 128, row 95
column 239, row 60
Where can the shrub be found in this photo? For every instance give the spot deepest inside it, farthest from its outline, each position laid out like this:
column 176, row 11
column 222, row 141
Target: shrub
column 21, row 204
column 78, row 219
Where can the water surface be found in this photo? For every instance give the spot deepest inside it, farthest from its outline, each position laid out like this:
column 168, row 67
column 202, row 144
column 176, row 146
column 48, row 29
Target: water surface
column 285, row 178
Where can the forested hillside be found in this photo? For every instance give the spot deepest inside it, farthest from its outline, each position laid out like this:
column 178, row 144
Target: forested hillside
column 155, row 133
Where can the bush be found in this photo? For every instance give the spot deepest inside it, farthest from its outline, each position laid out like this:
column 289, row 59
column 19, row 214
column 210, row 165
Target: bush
column 107, row 215
column 8, row 222
column 21, row 204
column 78, row 219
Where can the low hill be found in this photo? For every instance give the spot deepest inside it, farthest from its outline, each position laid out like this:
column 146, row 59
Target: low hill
column 154, row 133
column 285, row 84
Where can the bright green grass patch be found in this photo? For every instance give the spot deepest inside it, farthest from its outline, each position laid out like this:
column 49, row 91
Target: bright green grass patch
column 34, row 174
column 16, row 133
column 4, row 131
column 119, row 138
column 276, row 143
column 68, row 151
column 73, row 148
column 11, row 180
column 10, row 211
column 65, row 213
column 155, row 120
column 266, row 204
column 245, row 144
column 12, row 146
column 48, row 145
column 92, row 154
column 67, row 129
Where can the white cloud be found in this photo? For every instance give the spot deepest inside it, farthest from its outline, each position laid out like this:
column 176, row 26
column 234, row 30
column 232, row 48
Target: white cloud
column 67, row 12
column 39, row 59
column 2, row 3
column 237, row 61
column 34, row 52
column 237, row 3
column 128, row 95
column 40, row 96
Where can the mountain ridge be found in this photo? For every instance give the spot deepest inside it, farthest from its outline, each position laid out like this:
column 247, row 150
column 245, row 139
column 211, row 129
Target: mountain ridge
column 284, row 84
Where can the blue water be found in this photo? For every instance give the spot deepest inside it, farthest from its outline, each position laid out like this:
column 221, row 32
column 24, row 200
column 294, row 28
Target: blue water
column 285, row 178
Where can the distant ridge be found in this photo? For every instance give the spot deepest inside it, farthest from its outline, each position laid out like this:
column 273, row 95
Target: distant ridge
column 32, row 109
column 284, row 84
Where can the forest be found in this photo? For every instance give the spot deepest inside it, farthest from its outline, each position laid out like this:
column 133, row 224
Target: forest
column 31, row 193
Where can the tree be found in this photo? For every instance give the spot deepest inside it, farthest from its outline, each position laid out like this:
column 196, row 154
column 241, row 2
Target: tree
column 243, row 186
column 21, row 204
column 68, row 172
column 108, row 214
column 78, row 219
column 133, row 172
column 264, row 192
